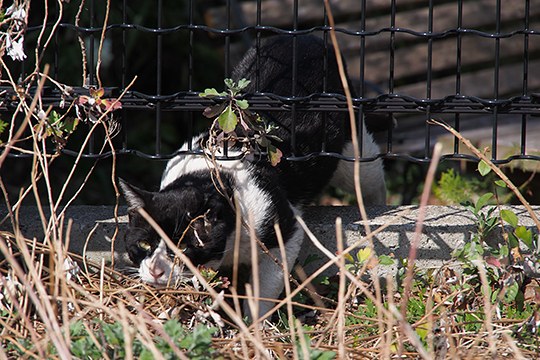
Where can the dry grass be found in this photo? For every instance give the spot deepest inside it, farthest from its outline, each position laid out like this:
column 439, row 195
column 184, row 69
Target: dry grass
column 45, row 293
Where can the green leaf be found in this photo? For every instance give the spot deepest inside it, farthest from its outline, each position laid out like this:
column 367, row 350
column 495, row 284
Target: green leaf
column 263, row 141
column 482, row 201
column 69, row 125
column 469, row 206
column 494, row 295
column 146, row 355
column 348, row 257
column 228, row 120
column 243, row 83
column 3, row 126
column 512, row 241
column 503, row 251
column 242, row 104
column 422, row 332
column 500, row 183
column 54, row 117
column 230, row 84
column 483, row 168
column 386, row 260
column 509, row 217
column 525, row 235
column 363, row 255
column 322, row 355
column 211, row 92
column 511, row 292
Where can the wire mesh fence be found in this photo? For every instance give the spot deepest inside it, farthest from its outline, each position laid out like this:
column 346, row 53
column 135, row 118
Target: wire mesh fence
column 470, row 63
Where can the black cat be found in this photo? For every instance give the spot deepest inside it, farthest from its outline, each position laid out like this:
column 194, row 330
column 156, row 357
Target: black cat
column 190, row 204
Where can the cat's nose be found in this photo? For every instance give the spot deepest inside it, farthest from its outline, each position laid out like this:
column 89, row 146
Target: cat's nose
column 156, row 272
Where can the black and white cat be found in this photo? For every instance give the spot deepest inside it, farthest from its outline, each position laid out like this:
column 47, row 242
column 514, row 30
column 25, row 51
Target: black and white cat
column 269, row 194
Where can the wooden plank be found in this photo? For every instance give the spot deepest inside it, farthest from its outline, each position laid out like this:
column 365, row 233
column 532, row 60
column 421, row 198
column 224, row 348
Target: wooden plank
column 279, row 13
column 479, row 14
column 411, row 56
column 412, row 61
column 478, row 129
column 479, row 83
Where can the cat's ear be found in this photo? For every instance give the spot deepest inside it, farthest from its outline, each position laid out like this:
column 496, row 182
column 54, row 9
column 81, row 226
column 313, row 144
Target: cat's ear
column 134, row 196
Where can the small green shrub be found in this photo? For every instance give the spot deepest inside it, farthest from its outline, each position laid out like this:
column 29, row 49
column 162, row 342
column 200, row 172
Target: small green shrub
column 196, row 343
column 452, row 188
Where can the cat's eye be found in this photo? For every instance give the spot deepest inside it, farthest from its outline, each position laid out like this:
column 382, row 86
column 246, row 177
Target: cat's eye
column 182, row 246
column 145, row 245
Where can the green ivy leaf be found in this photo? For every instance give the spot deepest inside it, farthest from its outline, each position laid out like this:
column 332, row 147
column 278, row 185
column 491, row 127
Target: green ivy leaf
column 146, row 355
column 494, row 295
column 228, row 120
column 483, row 168
column 500, row 183
column 509, row 217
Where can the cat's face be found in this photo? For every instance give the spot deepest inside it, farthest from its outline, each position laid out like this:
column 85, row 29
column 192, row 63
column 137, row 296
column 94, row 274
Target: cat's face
column 198, row 222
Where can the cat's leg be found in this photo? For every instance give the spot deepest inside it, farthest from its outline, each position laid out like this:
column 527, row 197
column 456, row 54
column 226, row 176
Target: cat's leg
column 371, row 173
column 271, row 276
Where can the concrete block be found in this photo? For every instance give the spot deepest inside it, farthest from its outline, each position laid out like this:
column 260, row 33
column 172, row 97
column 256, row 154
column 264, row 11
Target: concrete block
column 444, row 229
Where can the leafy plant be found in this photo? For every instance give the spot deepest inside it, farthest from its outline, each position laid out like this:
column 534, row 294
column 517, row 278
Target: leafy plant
column 365, row 258
column 452, row 188
column 486, row 220
column 57, row 127
column 502, row 258
column 314, row 354
column 197, row 342
column 363, row 315
column 235, row 123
